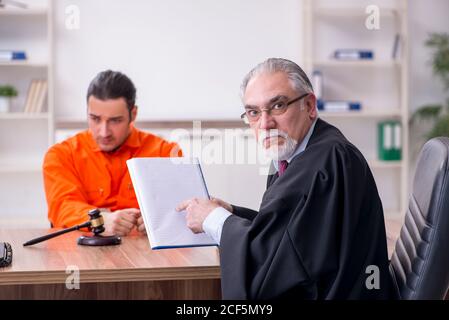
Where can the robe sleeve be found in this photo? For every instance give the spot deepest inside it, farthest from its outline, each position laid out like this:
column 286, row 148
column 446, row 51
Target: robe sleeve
column 66, row 199
column 313, row 244
column 244, row 212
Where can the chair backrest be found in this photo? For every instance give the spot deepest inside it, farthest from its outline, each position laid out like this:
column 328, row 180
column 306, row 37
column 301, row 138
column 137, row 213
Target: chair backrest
column 420, row 261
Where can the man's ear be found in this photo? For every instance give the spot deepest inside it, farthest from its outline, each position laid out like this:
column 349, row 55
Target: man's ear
column 311, row 106
column 133, row 114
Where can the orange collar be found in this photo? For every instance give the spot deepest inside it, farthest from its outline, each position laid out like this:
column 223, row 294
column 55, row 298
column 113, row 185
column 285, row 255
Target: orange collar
column 132, row 142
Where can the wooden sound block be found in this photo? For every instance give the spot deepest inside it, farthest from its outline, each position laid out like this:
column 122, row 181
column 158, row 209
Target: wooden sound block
column 99, row 240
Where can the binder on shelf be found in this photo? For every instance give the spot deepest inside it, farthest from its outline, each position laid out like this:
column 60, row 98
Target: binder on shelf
column 338, row 106
column 41, row 97
column 11, row 55
column 389, row 141
column 353, row 54
column 396, row 46
column 317, row 83
column 30, row 96
column 36, row 97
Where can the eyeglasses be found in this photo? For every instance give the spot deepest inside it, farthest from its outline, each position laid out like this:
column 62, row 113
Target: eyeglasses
column 276, row 109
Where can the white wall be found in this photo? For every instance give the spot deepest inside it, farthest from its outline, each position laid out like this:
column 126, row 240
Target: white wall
column 187, row 58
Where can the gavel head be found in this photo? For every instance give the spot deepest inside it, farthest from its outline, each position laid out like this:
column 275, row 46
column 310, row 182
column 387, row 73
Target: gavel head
column 97, row 226
column 96, row 221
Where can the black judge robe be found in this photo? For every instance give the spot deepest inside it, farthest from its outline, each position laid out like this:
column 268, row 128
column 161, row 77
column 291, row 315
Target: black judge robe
column 319, row 226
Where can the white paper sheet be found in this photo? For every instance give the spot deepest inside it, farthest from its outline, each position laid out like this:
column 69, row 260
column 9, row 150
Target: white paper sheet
column 160, row 185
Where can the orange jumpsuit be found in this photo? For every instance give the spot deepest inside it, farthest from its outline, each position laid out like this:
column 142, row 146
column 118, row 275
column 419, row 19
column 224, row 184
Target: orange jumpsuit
column 78, row 176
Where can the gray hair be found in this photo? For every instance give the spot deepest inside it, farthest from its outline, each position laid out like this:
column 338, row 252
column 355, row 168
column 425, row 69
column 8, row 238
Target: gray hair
column 297, row 76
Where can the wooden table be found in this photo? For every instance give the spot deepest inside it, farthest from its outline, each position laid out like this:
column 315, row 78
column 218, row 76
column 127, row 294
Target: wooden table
column 127, row 271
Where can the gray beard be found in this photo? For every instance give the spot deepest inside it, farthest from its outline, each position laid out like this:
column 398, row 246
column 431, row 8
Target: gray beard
column 283, row 152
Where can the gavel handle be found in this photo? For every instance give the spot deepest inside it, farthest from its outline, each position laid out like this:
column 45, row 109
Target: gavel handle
column 57, row 233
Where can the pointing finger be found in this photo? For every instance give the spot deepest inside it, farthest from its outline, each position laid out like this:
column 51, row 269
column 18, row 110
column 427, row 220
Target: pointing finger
column 183, row 205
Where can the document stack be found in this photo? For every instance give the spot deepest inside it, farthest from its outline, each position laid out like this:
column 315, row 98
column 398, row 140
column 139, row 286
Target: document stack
column 338, row 106
column 11, row 55
column 353, row 54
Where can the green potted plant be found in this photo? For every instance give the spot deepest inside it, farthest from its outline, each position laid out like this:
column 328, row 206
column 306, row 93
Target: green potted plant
column 437, row 115
column 6, row 93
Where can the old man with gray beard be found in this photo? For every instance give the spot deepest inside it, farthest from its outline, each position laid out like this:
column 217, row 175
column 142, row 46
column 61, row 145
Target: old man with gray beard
column 320, row 225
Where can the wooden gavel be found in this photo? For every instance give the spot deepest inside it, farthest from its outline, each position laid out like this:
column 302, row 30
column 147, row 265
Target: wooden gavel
column 95, row 224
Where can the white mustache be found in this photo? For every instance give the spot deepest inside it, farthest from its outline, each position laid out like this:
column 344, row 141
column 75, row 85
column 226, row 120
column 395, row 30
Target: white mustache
column 277, row 152
column 264, row 134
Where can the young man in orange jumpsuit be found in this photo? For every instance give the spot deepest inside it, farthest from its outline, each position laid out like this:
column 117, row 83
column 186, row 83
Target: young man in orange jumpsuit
column 89, row 170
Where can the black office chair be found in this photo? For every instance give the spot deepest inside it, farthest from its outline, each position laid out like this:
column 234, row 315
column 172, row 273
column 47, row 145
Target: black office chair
column 420, row 262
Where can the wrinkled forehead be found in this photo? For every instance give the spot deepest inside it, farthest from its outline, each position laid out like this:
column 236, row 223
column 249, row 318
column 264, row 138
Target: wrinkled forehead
column 263, row 88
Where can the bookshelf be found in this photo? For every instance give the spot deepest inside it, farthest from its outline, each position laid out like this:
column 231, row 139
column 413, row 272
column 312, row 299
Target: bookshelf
column 35, row 9
column 380, row 84
column 24, row 116
column 368, row 63
column 383, row 113
column 353, row 11
column 25, row 136
column 23, row 64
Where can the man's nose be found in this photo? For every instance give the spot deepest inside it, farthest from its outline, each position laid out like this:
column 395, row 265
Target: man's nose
column 266, row 121
column 104, row 129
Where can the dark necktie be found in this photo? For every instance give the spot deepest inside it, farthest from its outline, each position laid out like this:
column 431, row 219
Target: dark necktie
column 282, row 167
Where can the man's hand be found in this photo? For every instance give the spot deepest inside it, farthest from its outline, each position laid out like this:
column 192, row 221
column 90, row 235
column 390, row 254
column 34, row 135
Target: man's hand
column 141, row 225
column 222, row 203
column 197, row 211
column 121, row 222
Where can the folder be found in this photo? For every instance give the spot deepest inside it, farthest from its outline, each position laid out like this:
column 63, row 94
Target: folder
column 31, row 96
column 160, row 185
column 338, row 106
column 42, row 95
column 353, row 54
column 389, row 140
column 11, row 55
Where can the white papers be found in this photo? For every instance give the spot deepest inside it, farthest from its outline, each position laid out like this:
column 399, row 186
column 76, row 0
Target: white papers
column 160, row 185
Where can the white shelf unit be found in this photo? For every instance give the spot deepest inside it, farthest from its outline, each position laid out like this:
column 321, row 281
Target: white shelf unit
column 361, row 63
column 383, row 113
column 34, row 9
column 354, row 11
column 23, row 116
column 379, row 84
column 25, row 137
